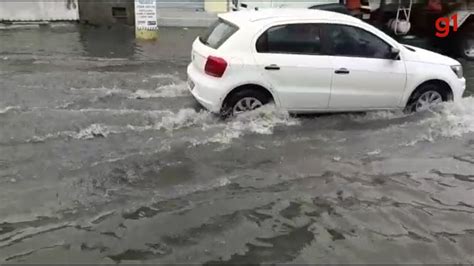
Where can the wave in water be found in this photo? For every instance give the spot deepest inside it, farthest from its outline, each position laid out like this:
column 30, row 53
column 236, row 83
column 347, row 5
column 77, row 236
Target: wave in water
column 173, row 77
column 453, row 119
column 174, row 87
column 379, row 115
column 110, row 111
column 90, row 132
column 102, row 90
column 447, row 120
column 172, row 90
column 10, row 109
column 261, row 121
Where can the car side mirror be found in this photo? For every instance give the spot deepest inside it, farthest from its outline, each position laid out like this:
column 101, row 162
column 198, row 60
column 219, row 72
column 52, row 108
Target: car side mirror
column 394, row 53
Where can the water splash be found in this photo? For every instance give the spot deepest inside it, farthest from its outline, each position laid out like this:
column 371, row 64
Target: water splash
column 90, row 132
column 93, row 131
column 453, row 119
column 447, row 120
column 165, row 91
column 173, row 77
column 186, row 118
column 10, row 109
column 102, row 90
column 374, row 152
column 261, row 121
column 378, row 115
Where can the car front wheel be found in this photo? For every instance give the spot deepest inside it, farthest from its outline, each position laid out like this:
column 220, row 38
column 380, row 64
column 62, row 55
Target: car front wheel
column 428, row 100
column 426, row 97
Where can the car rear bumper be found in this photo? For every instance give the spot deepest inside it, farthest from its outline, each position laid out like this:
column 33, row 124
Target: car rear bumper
column 206, row 90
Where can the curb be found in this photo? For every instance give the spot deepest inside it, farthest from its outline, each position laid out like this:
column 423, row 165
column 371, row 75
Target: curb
column 15, row 25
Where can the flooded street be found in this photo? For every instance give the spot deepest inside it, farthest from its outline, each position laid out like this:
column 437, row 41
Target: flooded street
column 106, row 158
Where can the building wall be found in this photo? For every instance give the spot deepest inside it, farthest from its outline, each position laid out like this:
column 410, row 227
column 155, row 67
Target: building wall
column 181, row 4
column 216, row 6
column 107, row 12
column 13, row 10
column 175, row 13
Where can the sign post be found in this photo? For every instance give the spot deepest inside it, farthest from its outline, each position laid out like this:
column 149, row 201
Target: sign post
column 146, row 27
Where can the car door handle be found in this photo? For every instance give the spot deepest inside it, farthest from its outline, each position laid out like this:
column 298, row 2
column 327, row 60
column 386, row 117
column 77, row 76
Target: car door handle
column 272, row 67
column 342, row 71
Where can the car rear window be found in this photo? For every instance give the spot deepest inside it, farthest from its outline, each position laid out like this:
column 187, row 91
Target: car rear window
column 218, row 33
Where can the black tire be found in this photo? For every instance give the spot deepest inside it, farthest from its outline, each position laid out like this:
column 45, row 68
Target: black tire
column 439, row 88
column 234, row 98
column 466, row 40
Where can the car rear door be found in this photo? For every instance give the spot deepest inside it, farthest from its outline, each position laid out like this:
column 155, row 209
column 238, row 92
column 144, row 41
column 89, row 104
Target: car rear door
column 292, row 59
column 366, row 76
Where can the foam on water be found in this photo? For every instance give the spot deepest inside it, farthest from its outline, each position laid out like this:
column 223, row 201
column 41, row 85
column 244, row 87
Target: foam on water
column 123, row 111
column 454, row 119
column 174, row 76
column 167, row 120
column 260, row 121
column 9, row 109
column 186, row 118
column 374, row 152
column 172, row 90
column 449, row 120
column 213, row 129
column 90, row 132
column 102, row 90
column 379, row 115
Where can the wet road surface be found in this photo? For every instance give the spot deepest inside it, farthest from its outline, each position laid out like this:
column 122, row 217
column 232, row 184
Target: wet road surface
column 104, row 157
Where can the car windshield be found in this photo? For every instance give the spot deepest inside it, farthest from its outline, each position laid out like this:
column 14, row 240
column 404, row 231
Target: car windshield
column 218, row 33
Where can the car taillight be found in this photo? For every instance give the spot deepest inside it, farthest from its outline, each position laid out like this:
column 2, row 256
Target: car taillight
column 215, row 66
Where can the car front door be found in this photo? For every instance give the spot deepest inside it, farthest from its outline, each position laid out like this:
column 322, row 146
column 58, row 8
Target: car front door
column 292, row 59
column 366, row 75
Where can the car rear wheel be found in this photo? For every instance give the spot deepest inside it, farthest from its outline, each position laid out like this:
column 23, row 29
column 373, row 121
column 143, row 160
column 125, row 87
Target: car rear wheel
column 244, row 101
column 246, row 104
column 426, row 97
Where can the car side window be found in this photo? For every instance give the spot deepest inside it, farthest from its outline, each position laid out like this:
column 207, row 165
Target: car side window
column 351, row 41
column 291, row 39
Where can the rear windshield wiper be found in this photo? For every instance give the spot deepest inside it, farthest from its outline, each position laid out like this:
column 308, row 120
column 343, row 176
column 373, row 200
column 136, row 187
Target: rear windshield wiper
column 203, row 41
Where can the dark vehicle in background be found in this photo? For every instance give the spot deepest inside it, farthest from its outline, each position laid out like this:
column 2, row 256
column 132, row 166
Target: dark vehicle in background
column 442, row 25
column 339, row 8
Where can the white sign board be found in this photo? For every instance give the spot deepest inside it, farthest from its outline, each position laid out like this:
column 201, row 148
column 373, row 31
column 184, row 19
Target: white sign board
column 145, row 15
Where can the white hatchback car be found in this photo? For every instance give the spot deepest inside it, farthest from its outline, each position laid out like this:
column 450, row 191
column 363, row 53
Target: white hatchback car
column 314, row 61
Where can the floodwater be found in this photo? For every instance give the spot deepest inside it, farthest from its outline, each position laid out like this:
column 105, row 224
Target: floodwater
column 105, row 157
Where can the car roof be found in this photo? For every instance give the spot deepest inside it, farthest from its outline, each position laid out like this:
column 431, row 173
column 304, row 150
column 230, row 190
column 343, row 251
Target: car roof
column 281, row 14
